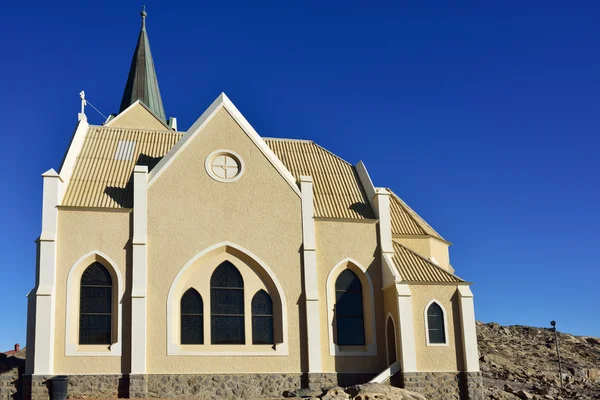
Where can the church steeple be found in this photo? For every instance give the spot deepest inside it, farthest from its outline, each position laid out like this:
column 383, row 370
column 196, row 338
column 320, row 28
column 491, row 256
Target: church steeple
column 142, row 83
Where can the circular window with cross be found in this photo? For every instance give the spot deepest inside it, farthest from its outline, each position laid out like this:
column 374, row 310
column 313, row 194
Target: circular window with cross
column 224, row 166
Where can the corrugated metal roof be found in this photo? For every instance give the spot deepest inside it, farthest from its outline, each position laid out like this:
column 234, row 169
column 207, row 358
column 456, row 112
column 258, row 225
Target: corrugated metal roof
column 337, row 189
column 102, row 180
column 414, row 268
column 407, row 222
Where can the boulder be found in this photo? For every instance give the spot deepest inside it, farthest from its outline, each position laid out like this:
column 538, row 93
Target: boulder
column 379, row 391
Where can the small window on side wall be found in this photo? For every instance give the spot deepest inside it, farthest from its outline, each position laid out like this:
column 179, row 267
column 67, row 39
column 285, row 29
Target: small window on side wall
column 95, row 306
column 435, row 324
column 192, row 318
column 262, row 319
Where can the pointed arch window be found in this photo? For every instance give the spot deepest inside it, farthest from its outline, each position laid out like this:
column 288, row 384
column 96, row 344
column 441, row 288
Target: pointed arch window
column 95, row 305
column 262, row 319
column 192, row 318
column 227, row 305
column 436, row 330
column 349, row 316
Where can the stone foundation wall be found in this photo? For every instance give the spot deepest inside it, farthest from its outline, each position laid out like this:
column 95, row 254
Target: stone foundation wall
column 9, row 384
column 433, row 385
column 445, row 385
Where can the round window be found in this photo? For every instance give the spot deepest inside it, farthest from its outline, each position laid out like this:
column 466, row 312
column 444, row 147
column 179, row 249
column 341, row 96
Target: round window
column 224, row 166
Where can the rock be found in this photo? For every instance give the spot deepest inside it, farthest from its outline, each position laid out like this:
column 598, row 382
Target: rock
column 524, row 395
column 378, row 391
column 593, row 374
column 337, row 393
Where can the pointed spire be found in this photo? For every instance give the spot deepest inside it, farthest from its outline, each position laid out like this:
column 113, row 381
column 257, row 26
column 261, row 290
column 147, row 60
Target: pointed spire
column 142, row 83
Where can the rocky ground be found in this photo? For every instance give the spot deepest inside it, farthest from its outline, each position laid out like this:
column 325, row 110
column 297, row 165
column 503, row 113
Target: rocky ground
column 520, row 362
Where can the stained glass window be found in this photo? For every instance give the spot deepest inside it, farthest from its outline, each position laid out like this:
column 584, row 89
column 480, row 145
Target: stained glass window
column 348, row 311
column 95, row 306
column 262, row 318
column 192, row 322
column 227, row 305
column 435, row 324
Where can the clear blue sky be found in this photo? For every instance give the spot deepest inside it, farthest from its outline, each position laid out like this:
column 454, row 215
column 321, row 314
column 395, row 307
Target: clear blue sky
column 483, row 116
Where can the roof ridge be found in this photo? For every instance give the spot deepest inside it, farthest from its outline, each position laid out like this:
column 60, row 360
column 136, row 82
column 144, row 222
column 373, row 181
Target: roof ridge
column 137, row 129
column 288, row 139
column 412, row 214
column 427, row 261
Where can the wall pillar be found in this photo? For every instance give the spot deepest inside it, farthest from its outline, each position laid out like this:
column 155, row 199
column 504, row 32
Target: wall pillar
column 139, row 270
column 408, row 352
column 45, row 295
column 311, row 286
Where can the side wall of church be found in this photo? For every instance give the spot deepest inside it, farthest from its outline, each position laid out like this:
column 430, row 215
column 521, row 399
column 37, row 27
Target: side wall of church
column 338, row 241
column 438, row 358
column 81, row 232
column 188, row 212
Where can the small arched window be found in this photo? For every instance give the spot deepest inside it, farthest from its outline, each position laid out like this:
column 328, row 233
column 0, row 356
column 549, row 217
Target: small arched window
column 95, row 306
column 227, row 305
column 436, row 330
column 348, row 310
column 262, row 318
column 192, row 318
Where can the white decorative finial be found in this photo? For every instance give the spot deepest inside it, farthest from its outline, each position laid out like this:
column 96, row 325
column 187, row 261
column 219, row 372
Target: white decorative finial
column 83, row 104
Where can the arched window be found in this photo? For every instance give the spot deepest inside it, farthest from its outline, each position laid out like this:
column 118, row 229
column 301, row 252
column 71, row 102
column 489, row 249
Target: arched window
column 192, row 318
column 227, row 305
column 95, row 306
column 262, row 318
column 349, row 310
column 436, row 330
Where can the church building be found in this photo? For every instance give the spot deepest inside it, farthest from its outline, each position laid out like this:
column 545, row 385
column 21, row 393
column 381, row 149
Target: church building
column 218, row 263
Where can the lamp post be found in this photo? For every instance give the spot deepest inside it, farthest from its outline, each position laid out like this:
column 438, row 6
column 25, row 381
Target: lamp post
column 553, row 323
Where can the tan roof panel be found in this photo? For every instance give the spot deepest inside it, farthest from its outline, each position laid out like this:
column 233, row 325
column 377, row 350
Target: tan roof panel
column 337, row 189
column 407, row 222
column 414, row 268
column 103, row 169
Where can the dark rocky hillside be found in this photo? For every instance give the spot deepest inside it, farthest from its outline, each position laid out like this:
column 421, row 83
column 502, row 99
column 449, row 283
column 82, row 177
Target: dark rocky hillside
column 520, row 362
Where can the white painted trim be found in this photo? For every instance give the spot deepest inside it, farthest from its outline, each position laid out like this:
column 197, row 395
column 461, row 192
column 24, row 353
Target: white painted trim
column 406, row 325
column 334, row 349
column 311, row 279
column 382, row 207
column 387, row 349
column 139, row 270
column 72, row 307
column 173, row 346
column 467, row 319
column 366, row 182
column 224, row 152
column 68, row 165
column 447, row 342
column 222, row 102
column 386, row 373
column 111, row 122
column 45, row 295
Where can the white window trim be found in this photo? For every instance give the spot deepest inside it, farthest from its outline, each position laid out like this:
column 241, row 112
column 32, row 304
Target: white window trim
column 72, row 308
column 174, row 348
column 224, row 152
column 444, row 313
column 387, row 349
column 368, row 293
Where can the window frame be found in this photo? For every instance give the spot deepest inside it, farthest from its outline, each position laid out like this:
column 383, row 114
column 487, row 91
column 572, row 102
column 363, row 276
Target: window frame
column 242, row 315
column 181, row 315
column 336, row 315
column 254, row 315
column 72, row 346
column 370, row 347
column 444, row 320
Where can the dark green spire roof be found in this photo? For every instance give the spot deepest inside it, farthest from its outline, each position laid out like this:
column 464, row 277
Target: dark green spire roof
column 142, row 83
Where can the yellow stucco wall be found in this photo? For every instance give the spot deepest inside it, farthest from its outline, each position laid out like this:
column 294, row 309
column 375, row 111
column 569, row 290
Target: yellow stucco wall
column 437, row 358
column 428, row 247
column 336, row 241
column 81, row 232
column 188, row 211
column 136, row 117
